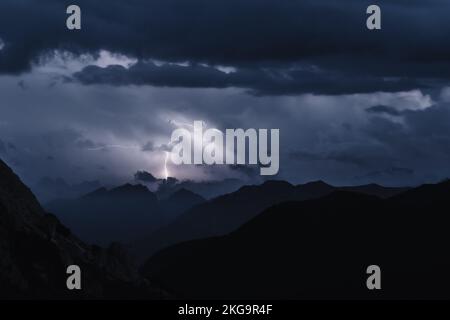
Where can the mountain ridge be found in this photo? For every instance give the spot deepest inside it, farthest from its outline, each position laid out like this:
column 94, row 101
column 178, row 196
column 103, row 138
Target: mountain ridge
column 320, row 249
column 36, row 249
column 121, row 214
column 226, row 213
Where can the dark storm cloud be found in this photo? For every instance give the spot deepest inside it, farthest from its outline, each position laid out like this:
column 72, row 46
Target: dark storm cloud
column 392, row 172
column 22, row 84
column 149, row 73
column 249, row 171
column 148, row 147
column 360, row 156
column 151, row 147
column 406, row 148
column 5, row 146
column 422, row 140
column 276, row 50
column 384, row 109
column 11, row 146
column 425, row 134
column 259, row 81
column 145, row 176
column 412, row 49
column 88, row 144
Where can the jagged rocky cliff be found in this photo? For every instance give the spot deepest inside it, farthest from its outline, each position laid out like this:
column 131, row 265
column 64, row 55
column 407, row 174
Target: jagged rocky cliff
column 35, row 250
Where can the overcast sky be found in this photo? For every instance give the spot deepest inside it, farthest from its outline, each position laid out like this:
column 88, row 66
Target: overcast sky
column 353, row 106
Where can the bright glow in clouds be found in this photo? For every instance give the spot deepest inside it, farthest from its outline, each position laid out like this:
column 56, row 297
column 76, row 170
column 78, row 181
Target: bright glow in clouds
column 226, row 69
column 107, row 58
column 210, row 152
column 2, row 44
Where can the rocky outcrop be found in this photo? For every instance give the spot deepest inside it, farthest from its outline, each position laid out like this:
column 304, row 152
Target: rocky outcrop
column 36, row 249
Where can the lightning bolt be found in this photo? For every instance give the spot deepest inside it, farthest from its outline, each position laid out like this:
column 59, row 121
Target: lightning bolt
column 166, row 171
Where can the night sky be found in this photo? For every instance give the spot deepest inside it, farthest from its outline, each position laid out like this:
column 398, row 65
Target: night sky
column 353, row 106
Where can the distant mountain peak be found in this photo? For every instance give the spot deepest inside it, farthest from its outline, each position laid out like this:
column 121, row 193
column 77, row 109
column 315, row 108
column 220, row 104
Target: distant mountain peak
column 98, row 192
column 317, row 183
column 425, row 194
column 276, row 183
column 126, row 190
column 52, row 182
column 372, row 185
column 266, row 186
column 315, row 188
column 184, row 193
column 130, row 188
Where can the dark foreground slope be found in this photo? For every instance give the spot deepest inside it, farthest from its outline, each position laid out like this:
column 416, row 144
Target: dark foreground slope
column 321, row 249
column 35, row 250
column 226, row 213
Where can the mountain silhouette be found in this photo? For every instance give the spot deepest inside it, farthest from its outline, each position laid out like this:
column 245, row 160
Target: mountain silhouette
column 206, row 189
column 320, row 249
column 179, row 201
column 375, row 190
column 226, row 213
column 36, row 249
column 49, row 189
column 122, row 214
column 104, row 216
